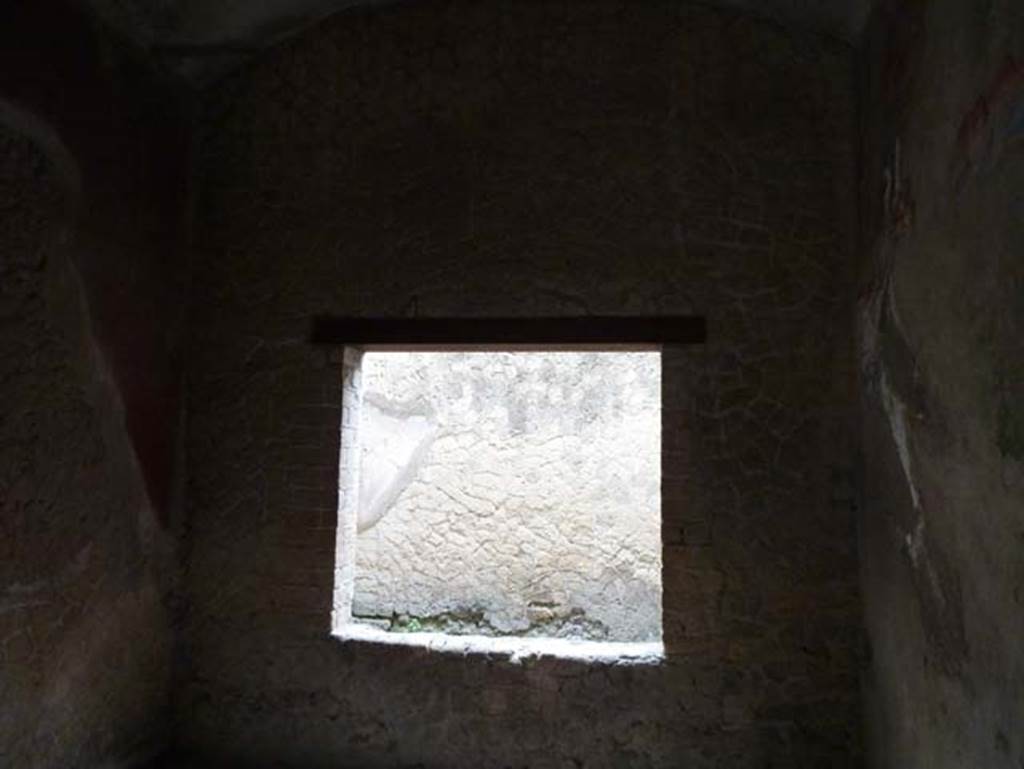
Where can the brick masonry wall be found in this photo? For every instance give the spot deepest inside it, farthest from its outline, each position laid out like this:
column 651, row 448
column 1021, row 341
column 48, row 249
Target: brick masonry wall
column 526, row 159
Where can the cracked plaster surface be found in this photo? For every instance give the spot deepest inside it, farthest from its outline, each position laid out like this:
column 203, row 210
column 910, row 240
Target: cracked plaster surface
column 535, row 509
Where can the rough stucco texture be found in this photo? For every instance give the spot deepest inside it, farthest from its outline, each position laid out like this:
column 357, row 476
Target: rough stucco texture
column 530, row 504
column 531, row 159
column 84, row 648
column 941, row 329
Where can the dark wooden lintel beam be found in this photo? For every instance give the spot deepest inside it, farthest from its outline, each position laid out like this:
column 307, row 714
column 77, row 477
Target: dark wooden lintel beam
column 590, row 331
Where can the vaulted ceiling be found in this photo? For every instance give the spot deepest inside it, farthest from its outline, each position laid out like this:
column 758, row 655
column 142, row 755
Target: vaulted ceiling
column 200, row 37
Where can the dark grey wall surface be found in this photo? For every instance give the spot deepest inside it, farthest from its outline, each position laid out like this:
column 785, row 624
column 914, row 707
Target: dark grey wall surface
column 941, row 329
column 127, row 131
column 91, row 230
column 84, row 639
column 532, row 159
column 202, row 39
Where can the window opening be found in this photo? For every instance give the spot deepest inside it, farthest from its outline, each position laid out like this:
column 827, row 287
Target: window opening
column 501, row 495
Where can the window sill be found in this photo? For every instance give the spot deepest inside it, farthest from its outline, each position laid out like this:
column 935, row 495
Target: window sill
column 513, row 648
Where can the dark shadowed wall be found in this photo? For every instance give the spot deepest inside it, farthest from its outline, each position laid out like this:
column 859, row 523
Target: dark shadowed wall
column 90, row 226
column 942, row 372
column 526, row 159
column 128, row 131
